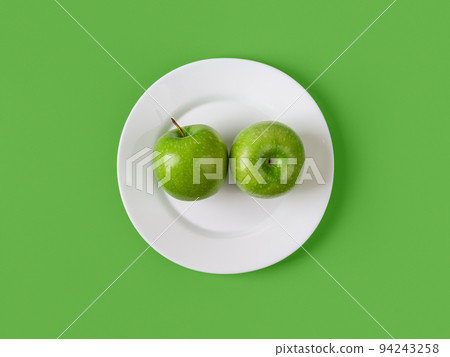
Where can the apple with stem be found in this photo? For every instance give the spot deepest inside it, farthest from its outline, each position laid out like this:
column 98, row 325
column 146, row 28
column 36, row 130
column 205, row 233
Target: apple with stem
column 197, row 162
column 266, row 159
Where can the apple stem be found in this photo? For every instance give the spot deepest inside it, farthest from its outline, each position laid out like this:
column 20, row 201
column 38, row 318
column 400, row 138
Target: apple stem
column 179, row 127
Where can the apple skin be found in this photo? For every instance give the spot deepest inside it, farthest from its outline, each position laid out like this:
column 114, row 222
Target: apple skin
column 207, row 144
column 277, row 141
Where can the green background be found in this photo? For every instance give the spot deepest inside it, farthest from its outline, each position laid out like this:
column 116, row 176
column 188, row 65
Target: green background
column 65, row 235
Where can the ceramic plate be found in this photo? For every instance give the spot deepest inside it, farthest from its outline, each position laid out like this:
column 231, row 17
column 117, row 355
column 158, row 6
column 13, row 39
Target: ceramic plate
column 229, row 232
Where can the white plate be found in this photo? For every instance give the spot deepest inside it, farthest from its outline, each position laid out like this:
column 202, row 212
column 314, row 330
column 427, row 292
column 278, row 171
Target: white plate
column 229, row 232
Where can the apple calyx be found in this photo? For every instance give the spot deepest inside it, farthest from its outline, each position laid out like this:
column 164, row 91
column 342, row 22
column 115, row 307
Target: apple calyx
column 179, row 127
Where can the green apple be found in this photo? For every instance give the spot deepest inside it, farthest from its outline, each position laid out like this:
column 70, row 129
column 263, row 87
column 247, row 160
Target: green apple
column 197, row 162
column 266, row 159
